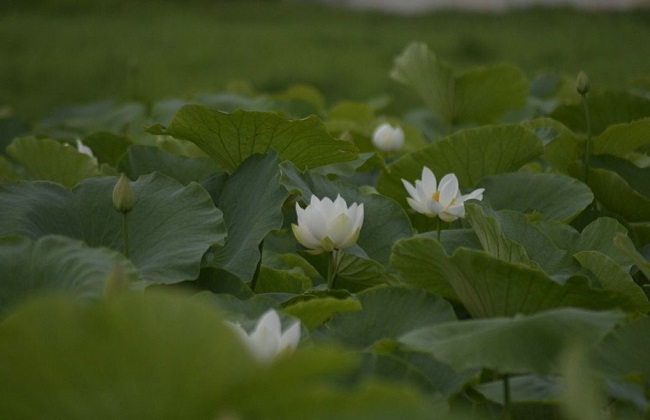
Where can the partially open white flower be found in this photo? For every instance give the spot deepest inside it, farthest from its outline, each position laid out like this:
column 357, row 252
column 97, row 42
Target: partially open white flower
column 267, row 340
column 388, row 138
column 326, row 225
column 443, row 200
column 85, row 150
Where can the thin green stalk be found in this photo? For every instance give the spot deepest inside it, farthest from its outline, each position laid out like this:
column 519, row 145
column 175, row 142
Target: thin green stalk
column 125, row 226
column 585, row 105
column 333, row 268
column 439, row 228
column 507, row 406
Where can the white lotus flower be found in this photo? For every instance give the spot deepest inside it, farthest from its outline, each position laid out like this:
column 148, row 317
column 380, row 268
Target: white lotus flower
column 267, row 340
column 443, row 200
column 388, row 138
column 325, row 225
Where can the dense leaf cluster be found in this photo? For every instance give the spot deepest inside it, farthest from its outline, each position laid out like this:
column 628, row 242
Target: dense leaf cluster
column 534, row 305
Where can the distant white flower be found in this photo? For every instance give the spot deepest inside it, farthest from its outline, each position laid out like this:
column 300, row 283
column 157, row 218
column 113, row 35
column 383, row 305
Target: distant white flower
column 388, row 138
column 85, row 150
column 267, row 340
column 326, row 225
column 443, row 200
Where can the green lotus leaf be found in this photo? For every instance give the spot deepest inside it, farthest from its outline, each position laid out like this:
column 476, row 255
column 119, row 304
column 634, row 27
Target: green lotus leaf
column 251, row 200
column 107, row 147
column 50, row 160
column 55, row 264
column 231, row 138
column 606, row 109
column 388, row 312
column 523, row 344
column 479, row 95
column 272, row 280
column 511, row 237
column 170, row 227
column 488, row 286
column 79, row 120
column 142, row 160
column 543, row 195
column 423, row 262
column 622, row 139
column 314, row 311
column 617, row 195
column 419, row 368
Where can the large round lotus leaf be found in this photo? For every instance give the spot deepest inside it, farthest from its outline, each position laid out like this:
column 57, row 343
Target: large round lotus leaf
column 132, row 356
column 170, row 227
column 231, row 138
column 548, row 196
column 514, row 345
column 54, row 264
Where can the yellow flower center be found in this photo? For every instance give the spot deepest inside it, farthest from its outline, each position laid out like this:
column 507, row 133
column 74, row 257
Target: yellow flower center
column 435, row 196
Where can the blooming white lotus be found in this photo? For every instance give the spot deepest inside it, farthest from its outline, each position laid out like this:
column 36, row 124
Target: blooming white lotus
column 267, row 340
column 443, row 200
column 388, row 138
column 326, row 225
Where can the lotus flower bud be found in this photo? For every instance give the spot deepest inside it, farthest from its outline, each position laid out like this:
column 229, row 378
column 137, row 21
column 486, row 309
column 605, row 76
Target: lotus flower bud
column 123, row 196
column 388, row 138
column 582, row 84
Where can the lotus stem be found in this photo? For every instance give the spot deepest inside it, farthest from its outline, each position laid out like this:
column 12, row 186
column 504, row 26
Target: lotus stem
column 439, row 228
column 125, row 234
column 507, row 405
column 333, row 269
column 585, row 105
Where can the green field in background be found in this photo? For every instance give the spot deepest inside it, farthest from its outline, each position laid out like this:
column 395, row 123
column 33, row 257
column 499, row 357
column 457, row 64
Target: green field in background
column 56, row 55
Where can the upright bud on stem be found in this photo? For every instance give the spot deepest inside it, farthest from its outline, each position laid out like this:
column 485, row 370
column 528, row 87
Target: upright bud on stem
column 123, row 197
column 582, row 84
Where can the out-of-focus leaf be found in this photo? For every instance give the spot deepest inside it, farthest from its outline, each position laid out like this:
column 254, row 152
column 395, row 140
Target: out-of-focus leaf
column 606, row 109
column 479, row 95
column 621, row 139
column 130, row 356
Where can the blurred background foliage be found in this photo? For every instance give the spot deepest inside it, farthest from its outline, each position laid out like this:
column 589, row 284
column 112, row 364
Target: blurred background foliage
column 59, row 52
